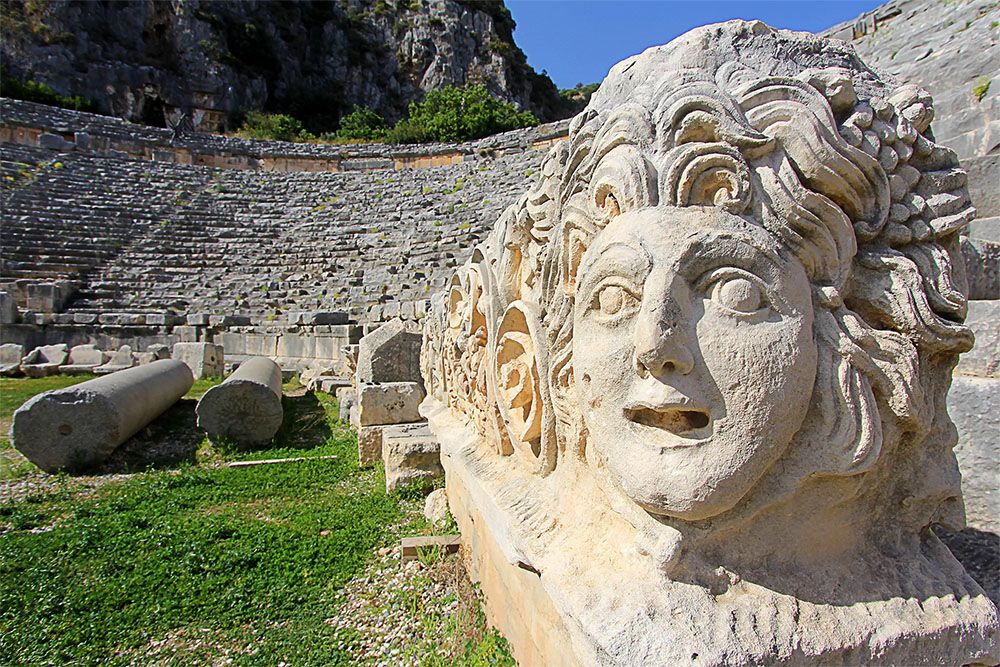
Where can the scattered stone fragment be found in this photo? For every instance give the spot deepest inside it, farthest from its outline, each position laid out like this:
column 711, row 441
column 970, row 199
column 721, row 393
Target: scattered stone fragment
column 153, row 353
column 120, row 360
column 78, row 427
column 44, row 361
column 436, row 507
column 83, row 359
column 347, row 397
column 10, row 359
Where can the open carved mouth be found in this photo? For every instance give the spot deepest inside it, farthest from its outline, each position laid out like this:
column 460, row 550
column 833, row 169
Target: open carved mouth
column 679, row 421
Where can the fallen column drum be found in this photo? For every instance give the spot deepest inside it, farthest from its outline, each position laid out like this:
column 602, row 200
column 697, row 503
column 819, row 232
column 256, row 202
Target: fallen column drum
column 246, row 407
column 78, row 427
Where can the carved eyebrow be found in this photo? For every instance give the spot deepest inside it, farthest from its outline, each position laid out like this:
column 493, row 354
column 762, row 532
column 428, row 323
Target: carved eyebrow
column 628, row 258
column 746, row 251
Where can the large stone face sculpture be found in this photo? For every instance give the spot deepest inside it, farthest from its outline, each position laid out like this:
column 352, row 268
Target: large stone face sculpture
column 691, row 391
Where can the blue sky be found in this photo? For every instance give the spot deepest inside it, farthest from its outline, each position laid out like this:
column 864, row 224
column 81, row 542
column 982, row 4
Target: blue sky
column 577, row 41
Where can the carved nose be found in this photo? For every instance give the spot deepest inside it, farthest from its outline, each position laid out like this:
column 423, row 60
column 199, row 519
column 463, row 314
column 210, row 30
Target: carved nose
column 661, row 349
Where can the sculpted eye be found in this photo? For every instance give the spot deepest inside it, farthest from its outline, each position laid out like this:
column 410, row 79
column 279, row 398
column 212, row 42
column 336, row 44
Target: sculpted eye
column 735, row 291
column 613, row 300
column 738, row 294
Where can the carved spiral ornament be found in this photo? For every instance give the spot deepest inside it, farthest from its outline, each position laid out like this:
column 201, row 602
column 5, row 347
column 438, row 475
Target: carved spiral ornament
column 521, row 386
column 708, row 174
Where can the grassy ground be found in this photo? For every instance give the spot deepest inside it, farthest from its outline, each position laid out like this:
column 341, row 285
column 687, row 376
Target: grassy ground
column 168, row 556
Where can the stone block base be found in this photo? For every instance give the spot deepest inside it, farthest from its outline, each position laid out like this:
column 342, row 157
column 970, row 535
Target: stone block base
column 389, row 403
column 516, row 604
column 410, row 454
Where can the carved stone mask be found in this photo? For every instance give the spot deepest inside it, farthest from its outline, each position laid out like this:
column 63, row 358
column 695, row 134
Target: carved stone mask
column 694, row 355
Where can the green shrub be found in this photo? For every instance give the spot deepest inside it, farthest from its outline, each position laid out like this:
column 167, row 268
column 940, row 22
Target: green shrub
column 33, row 91
column 460, row 114
column 279, row 127
column 407, row 132
column 363, row 123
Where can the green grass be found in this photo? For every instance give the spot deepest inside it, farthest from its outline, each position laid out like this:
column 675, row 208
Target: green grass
column 228, row 550
column 191, row 562
column 981, row 87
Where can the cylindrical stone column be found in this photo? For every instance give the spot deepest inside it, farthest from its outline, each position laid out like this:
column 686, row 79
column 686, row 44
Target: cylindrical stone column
column 246, row 408
column 78, row 427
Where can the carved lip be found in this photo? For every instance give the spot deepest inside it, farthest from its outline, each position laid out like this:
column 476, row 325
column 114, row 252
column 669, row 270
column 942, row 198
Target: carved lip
column 682, row 419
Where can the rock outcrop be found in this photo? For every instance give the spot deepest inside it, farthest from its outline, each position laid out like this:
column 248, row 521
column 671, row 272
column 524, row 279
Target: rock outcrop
column 150, row 61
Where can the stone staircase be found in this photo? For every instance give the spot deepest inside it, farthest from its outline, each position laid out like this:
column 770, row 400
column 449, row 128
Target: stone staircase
column 66, row 215
column 143, row 236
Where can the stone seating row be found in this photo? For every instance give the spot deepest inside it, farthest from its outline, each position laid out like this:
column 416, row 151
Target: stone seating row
column 259, row 241
column 204, row 359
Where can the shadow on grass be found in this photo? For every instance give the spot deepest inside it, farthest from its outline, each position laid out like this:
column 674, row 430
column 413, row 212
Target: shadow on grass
column 169, row 441
column 306, row 425
column 173, row 439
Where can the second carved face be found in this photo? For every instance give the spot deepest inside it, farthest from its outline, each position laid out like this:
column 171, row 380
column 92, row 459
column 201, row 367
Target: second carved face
column 693, row 355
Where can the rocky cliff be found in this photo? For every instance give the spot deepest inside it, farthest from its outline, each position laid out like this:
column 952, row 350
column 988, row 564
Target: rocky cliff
column 151, row 60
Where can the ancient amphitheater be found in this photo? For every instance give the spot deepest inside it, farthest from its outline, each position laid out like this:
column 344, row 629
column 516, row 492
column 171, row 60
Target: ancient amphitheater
column 117, row 233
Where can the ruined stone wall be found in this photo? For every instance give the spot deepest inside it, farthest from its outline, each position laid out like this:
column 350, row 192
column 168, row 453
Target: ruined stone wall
column 144, row 224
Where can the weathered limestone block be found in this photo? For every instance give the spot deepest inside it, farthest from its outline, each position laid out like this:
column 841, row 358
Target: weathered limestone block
column 154, row 352
column 82, row 359
column 78, row 427
column 8, row 309
column 44, row 360
column 974, row 405
column 119, row 361
column 436, row 507
column 331, row 385
column 246, row 407
column 204, row 359
column 369, row 445
column 10, row 359
column 410, row 455
column 48, row 297
column 319, row 318
column 389, row 403
column 690, row 392
column 983, row 359
column 55, row 142
column 389, row 354
column 982, row 268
